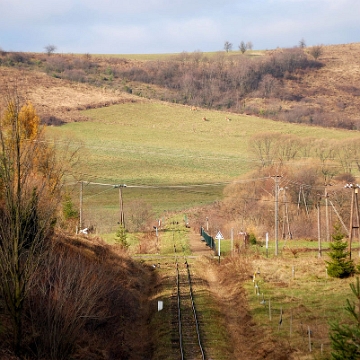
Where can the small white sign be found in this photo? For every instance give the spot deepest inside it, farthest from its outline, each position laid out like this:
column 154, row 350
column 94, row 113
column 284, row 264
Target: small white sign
column 160, row 305
column 267, row 240
column 219, row 236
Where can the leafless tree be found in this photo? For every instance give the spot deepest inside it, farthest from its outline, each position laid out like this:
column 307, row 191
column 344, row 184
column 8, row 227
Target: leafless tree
column 249, row 45
column 263, row 145
column 50, row 49
column 302, row 43
column 227, row 46
column 242, row 47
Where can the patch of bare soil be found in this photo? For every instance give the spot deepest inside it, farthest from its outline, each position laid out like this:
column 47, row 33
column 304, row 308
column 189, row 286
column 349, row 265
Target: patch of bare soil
column 248, row 340
column 58, row 100
column 197, row 246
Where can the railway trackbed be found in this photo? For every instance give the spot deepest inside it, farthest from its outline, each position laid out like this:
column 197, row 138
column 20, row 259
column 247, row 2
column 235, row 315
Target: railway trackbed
column 186, row 318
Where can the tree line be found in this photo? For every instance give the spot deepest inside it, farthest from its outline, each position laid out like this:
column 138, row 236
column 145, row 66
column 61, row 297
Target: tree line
column 311, row 173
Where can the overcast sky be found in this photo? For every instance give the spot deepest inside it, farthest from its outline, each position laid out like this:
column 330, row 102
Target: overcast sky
column 173, row 26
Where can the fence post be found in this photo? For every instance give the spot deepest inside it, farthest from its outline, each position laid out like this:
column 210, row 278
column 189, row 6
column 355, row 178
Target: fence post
column 270, row 309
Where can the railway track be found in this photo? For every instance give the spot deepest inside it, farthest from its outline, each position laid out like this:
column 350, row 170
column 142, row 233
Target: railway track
column 189, row 338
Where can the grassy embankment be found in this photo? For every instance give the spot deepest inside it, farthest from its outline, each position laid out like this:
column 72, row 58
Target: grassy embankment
column 293, row 297
column 164, row 151
column 302, row 299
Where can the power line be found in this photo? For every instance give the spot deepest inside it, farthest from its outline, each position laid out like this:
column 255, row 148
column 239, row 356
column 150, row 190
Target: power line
column 142, row 186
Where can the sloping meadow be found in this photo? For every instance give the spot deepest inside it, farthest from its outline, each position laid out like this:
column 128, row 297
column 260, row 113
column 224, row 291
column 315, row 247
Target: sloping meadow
column 170, row 156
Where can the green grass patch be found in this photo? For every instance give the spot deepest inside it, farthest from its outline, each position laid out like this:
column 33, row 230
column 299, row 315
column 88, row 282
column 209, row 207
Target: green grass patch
column 161, row 322
column 215, row 338
column 153, row 143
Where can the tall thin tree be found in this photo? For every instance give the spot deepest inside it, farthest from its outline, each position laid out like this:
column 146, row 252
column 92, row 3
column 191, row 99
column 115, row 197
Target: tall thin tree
column 29, row 184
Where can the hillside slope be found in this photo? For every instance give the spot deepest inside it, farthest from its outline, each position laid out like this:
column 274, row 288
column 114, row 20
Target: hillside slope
column 324, row 93
column 57, row 100
column 333, row 89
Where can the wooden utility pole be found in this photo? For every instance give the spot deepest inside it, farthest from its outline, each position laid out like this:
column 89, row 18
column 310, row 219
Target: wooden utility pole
column 327, row 225
column 121, row 204
column 81, row 206
column 276, row 177
column 319, row 224
column 354, row 207
column 286, row 218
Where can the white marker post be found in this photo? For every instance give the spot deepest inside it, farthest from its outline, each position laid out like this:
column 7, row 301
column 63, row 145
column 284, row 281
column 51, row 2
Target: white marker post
column 219, row 237
column 267, row 243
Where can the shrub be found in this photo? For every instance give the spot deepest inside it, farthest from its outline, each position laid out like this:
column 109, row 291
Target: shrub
column 252, row 239
column 316, row 51
column 345, row 339
column 78, row 297
column 339, row 266
column 120, row 237
column 74, row 75
column 68, row 208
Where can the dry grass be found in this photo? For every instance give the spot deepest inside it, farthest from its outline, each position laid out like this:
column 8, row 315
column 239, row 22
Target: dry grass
column 88, row 300
column 60, row 99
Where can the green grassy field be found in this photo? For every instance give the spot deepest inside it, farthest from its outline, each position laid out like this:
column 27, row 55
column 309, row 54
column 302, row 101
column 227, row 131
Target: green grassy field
column 153, row 143
column 166, row 154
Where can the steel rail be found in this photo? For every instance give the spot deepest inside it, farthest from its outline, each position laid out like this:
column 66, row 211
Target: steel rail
column 195, row 318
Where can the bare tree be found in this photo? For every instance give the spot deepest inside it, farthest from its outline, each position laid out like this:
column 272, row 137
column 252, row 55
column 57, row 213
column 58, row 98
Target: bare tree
column 227, row 46
column 50, row 49
column 242, row 47
column 249, row 45
column 263, row 146
column 302, row 44
column 140, row 216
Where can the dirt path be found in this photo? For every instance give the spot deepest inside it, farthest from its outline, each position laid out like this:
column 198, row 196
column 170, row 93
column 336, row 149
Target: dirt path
column 198, row 247
column 246, row 339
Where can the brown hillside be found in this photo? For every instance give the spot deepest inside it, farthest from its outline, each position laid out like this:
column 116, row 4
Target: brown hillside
column 325, row 95
column 58, row 99
column 334, row 88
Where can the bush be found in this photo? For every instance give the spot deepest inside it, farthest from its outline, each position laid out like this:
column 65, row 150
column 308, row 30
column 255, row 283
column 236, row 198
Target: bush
column 345, row 339
column 252, row 239
column 120, row 237
column 78, row 297
column 316, row 51
column 74, row 75
column 69, row 211
column 340, row 266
